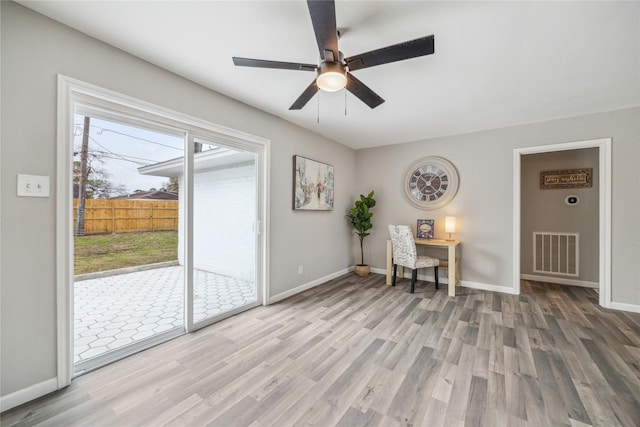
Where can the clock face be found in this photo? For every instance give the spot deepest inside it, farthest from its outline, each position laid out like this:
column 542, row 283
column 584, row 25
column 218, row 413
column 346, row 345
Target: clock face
column 431, row 183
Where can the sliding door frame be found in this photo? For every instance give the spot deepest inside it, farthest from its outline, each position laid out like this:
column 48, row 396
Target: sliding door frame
column 74, row 93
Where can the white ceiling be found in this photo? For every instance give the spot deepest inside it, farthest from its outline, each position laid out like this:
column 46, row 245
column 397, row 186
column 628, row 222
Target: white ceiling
column 495, row 64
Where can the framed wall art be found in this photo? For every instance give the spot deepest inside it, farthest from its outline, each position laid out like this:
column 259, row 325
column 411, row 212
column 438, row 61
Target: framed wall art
column 569, row 178
column 312, row 185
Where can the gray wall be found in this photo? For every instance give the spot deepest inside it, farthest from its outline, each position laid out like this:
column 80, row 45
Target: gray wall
column 34, row 50
column 484, row 203
column 546, row 210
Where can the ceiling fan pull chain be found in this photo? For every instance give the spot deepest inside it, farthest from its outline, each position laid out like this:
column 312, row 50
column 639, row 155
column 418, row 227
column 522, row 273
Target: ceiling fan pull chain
column 318, row 107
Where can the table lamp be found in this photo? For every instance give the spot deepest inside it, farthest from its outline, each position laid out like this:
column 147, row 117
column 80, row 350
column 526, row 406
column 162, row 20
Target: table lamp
column 450, row 226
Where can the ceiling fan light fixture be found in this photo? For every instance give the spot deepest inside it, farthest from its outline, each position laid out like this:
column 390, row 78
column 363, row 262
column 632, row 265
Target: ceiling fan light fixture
column 334, row 71
column 331, row 76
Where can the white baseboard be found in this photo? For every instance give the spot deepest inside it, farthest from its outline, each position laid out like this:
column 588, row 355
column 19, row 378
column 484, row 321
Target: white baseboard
column 27, row 394
column 625, row 307
column 444, row 280
column 488, row 287
column 560, row 281
column 308, row 285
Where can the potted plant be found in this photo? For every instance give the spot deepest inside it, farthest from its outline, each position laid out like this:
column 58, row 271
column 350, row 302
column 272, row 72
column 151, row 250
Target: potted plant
column 360, row 215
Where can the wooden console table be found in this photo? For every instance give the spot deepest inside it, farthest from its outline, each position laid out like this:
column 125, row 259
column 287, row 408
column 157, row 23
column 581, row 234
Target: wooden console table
column 452, row 264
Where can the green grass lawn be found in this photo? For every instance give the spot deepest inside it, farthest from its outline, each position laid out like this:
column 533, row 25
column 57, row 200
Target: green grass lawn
column 111, row 251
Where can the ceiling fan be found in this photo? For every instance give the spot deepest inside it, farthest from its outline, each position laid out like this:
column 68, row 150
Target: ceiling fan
column 334, row 71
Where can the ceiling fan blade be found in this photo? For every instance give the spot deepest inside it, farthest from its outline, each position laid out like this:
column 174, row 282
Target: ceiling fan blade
column 263, row 63
column 323, row 18
column 397, row 52
column 305, row 97
column 362, row 92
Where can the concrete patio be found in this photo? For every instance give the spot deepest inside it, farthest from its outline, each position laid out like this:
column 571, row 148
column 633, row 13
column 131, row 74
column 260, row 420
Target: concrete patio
column 117, row 310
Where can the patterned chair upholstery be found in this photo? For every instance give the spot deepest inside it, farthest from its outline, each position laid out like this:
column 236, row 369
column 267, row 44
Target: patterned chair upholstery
column 405, row 254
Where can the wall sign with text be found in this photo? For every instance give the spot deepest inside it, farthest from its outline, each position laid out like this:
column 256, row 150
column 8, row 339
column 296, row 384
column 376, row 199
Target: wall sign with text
column 570, row 178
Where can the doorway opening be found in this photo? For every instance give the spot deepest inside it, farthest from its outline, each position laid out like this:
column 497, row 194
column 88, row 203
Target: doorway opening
column 554, row 241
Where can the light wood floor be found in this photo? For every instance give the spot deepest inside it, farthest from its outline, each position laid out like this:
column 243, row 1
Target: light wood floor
column 355, row 352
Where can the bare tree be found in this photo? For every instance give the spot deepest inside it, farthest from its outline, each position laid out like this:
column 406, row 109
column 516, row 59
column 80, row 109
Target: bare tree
column 171, row 184
column 98, row 183
column 92, row 180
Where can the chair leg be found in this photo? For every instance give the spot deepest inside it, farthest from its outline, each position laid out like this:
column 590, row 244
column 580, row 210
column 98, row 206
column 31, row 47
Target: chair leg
column 395, row 271
column 435, row 273
column 414, row 277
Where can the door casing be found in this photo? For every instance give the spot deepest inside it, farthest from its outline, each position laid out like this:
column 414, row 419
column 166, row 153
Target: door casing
column 604, row 208
column 72, row 94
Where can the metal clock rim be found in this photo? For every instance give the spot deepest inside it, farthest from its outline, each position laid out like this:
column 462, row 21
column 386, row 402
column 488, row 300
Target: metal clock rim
column 452, row 190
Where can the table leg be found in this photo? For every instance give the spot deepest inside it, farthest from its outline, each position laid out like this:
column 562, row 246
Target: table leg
column 452, row 269
column 458, row 266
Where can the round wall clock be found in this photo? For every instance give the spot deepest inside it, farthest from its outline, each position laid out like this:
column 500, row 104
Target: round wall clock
column 431, row 183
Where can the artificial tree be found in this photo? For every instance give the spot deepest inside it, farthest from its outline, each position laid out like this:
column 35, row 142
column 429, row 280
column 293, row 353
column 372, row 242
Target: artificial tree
column 360, row 215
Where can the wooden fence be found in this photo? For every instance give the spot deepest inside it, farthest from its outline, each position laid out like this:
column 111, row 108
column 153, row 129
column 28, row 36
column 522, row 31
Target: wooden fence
column 103, row 216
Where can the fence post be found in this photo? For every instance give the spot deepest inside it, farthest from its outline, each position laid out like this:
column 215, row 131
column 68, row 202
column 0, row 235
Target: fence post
column 113, row 217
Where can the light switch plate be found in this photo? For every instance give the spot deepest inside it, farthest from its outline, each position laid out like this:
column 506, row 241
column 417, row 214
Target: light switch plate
column 33, row 186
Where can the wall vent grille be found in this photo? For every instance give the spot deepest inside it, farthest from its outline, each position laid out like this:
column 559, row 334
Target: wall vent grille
column 556, row 253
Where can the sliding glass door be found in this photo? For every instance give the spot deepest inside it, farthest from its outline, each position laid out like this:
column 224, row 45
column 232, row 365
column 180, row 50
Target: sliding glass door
column 166, row 233
column 128, row 284
column 224, row 222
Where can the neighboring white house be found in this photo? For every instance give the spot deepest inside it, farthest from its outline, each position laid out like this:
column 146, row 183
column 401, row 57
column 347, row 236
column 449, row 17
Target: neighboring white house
column 224, row 194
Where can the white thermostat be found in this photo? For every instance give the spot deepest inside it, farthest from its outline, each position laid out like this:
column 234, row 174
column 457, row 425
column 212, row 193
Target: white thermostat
column 572, row 200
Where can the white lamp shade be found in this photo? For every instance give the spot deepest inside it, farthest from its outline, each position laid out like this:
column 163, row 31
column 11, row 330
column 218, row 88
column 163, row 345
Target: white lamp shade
column 450, row 224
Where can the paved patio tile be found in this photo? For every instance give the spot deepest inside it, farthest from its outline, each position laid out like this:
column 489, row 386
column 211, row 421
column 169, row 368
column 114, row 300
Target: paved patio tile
column 92, row 332
column 114, row 311
column 109, row 333
column 142, row 335
column 100, row 342
column 162, row 328
column 147, row 327
column 129, row 326
column 126, row 334
column 83, row 341
column 154, row 319
column 82, row 348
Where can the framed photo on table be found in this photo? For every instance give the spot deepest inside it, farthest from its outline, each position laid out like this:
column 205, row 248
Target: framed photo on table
column 312, row 185
column 424, row 229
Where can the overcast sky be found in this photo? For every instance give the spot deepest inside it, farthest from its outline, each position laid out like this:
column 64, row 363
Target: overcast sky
column 125, row 148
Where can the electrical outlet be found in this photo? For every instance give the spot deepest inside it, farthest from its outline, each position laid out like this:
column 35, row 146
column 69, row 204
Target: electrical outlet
column 300, row 269
column 33, row 186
